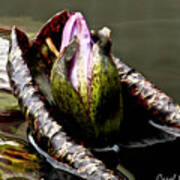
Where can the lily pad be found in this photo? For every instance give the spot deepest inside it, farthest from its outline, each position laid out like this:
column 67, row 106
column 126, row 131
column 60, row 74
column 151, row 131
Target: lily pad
column 17, row 161
column 8, row 102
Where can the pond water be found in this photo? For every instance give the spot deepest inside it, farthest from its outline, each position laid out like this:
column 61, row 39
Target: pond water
column 145, row 35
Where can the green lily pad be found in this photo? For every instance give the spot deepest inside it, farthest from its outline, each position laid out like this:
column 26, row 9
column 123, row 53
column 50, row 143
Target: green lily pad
column 17, row 161
column 8, row 102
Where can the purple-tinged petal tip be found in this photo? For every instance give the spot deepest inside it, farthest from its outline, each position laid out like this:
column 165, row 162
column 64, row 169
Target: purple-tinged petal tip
column 77, row 26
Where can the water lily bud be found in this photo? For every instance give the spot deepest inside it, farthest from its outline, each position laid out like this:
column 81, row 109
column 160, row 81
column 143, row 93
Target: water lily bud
column 85, row 82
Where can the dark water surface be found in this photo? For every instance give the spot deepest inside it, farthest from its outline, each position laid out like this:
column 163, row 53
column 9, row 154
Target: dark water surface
column 145, row 34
